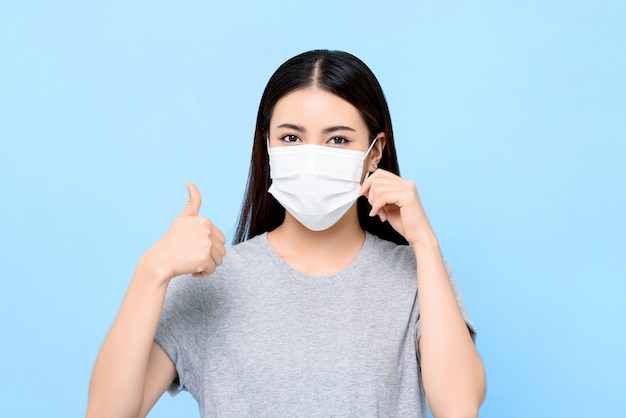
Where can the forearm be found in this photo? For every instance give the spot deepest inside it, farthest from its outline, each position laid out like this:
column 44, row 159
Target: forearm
column 117, row 382
column 452, row 372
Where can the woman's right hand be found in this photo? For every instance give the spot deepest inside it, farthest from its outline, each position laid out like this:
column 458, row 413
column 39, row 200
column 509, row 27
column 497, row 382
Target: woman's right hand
column 192, row 244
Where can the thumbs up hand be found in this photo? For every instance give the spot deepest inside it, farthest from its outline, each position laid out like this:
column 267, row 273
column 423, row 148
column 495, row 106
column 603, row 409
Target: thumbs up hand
column 195, row 200
column 192, row 244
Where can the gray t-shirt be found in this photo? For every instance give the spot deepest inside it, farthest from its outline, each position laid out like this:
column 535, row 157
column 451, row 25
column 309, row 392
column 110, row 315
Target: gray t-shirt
column 259, row 339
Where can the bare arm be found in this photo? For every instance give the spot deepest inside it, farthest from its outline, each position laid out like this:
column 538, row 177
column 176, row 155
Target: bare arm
column 119, row 375
column 452, row 371
column 160, row 374
column 132, row 371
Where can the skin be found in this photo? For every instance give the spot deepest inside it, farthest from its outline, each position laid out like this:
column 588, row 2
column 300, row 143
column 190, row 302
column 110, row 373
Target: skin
column 132, row 371
column 313, row 116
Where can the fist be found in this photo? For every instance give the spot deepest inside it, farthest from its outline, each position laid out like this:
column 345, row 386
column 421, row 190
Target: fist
column 191, row 245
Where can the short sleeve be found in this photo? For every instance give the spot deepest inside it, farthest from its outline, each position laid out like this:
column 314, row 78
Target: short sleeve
column 181, row 330
column 459, row 301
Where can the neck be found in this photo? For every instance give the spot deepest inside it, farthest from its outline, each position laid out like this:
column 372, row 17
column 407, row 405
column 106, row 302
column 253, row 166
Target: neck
column 318, row 253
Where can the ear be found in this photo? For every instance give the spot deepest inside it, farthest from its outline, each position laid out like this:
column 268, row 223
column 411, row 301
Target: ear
column 377, row 152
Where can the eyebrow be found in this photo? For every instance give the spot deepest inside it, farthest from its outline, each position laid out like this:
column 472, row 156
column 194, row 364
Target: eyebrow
column 325, row 131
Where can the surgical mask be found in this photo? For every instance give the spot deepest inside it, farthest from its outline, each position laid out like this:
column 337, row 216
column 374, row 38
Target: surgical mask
column 316, row 184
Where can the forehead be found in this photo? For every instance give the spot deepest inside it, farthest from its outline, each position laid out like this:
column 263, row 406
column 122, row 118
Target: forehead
column 314, row 106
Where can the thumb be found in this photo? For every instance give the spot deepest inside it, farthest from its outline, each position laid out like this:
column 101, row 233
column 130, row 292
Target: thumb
column 195, row 199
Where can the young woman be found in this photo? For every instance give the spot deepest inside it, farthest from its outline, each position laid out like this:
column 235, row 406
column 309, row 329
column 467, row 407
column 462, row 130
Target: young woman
column 335, row 300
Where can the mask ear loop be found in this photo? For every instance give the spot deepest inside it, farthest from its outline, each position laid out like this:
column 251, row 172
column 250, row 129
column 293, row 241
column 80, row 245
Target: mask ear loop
column 267, row 143
column 370, row 148
column 365, row 156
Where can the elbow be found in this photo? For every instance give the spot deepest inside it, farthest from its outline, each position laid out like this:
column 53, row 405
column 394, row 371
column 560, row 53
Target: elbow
column 462, row 405
column 102, row 409
column 92, row 413
column 466, row 411
column 467, row 408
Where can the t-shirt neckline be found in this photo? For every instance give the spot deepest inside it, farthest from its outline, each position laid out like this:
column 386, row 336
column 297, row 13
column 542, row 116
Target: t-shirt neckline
column 346, row 272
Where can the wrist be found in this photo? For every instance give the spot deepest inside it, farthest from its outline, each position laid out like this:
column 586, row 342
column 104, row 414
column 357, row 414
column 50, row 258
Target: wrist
column 150, row 270
column 425, row 238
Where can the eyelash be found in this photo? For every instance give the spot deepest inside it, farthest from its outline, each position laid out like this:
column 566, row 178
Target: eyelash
column 344, row 141
column 287, row 138
column 290, row 138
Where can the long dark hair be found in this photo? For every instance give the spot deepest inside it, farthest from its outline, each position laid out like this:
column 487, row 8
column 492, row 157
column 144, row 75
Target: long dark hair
column 339, row 73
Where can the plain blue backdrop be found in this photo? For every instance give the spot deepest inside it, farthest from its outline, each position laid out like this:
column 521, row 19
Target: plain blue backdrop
column 509, row 116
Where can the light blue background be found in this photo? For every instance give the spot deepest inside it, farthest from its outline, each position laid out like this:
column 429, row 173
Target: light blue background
column 508, row 115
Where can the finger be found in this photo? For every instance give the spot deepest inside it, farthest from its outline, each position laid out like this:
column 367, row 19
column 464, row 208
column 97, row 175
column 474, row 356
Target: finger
column 214, row 232
column 376, row 208
column 195, row 200
column 382, row 214
column 367, row 183
column 365, row 186
column 219, row 236
column 204, row 270
column 372, row 194
column 384, row 197
column 217, row 254
column 378, row 177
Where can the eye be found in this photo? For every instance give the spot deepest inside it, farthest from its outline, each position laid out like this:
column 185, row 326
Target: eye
column 338, row 140
column 289, row 138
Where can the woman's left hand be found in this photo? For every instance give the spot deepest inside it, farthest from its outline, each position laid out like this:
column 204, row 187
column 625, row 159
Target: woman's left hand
column 396, row 200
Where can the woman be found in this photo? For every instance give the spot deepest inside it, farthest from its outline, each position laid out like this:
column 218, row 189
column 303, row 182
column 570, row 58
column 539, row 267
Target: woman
column 318, row 310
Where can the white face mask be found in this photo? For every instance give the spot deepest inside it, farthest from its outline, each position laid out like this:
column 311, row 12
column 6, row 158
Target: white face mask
column 316, row 184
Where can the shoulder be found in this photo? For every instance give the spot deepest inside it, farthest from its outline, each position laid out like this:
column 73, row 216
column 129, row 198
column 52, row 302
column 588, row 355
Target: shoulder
column 388, row 262
column 250, row 248
column 389, row 252
column 236, row 256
